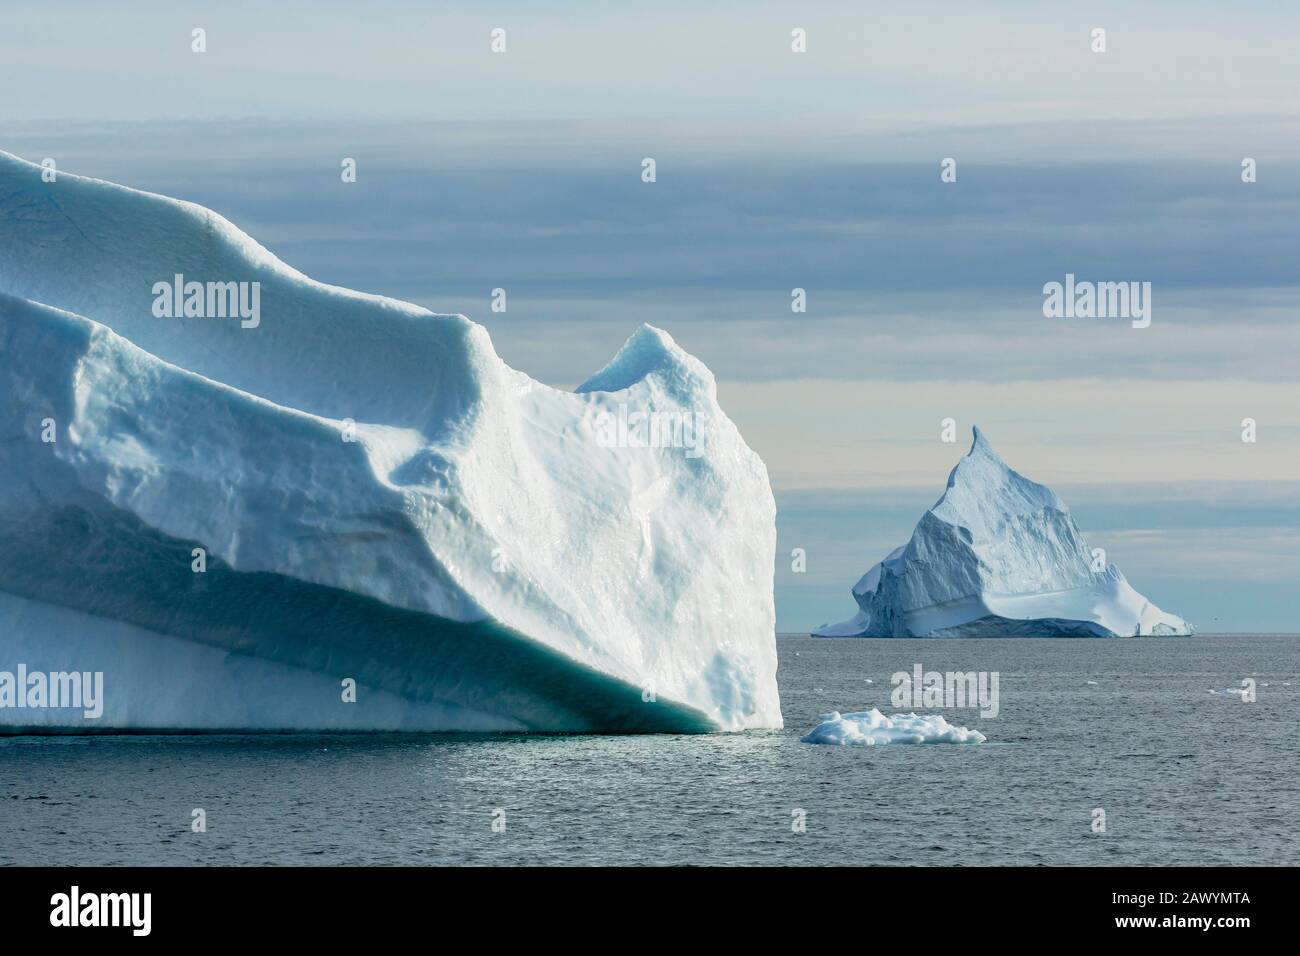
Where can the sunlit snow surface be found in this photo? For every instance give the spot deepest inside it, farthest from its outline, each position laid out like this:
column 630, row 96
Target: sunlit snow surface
column 871, row 728
column 479, row 551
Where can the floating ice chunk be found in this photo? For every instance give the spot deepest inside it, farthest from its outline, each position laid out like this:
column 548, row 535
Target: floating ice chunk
column 871, row 728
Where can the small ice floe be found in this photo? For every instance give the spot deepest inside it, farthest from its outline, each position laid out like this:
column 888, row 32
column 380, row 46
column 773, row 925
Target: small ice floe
column 871, row 727
column 867, row 680
column 1092, row 682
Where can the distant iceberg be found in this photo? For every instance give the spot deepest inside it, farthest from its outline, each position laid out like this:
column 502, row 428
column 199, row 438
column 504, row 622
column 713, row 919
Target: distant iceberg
column 871, row 728
column 998, row 556
column 232, row 512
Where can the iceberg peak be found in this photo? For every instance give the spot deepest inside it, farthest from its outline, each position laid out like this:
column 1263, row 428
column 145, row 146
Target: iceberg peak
column 980, row 445
column 652, row 352
column 984, row 493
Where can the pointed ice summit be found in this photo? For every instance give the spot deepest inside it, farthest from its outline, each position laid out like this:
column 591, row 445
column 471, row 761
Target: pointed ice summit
column 998, row 556
column 257, row 502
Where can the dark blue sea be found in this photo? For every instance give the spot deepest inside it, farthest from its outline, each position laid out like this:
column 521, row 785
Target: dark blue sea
column 1183, row 776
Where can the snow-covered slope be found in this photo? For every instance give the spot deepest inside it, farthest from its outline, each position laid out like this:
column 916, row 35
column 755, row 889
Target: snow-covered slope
column 378, row 495
column 998, row 556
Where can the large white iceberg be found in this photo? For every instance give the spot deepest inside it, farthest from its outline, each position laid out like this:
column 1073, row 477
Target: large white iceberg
column 377, row 496
column 998, row 556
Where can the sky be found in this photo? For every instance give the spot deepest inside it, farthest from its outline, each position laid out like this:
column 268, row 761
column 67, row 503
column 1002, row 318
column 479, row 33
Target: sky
column 777, row 170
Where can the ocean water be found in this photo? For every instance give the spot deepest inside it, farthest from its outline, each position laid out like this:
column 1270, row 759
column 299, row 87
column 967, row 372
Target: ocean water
column 1183, row 776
